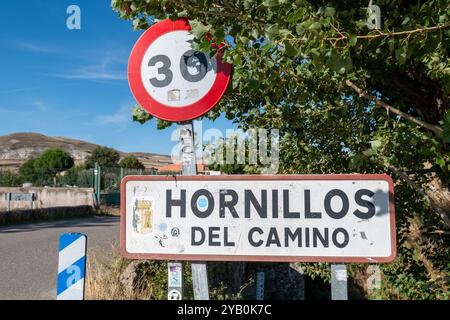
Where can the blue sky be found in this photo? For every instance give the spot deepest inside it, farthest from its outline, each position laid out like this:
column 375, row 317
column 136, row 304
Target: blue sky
column 73, row 83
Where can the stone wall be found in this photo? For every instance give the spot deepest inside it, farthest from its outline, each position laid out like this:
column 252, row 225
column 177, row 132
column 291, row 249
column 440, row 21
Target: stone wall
column 47, row 198
column 44, row 214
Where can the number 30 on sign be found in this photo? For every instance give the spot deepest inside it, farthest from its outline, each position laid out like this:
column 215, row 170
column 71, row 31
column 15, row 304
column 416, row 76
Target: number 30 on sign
column 169, row 79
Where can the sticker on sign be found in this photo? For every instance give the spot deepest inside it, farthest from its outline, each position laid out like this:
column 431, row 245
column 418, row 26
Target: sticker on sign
column 312, row 218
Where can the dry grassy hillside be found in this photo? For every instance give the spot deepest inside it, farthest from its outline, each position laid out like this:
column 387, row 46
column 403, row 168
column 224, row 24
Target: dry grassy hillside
column 18, row 147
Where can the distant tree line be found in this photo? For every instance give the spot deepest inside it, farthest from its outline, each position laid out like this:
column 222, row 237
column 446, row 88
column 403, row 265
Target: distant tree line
column 107, row 157
column 55, row 163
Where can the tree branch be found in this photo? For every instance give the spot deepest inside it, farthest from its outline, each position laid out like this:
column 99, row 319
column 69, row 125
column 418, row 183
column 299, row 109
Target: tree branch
column 439, row 211
column 378, row 103
column 393, row 34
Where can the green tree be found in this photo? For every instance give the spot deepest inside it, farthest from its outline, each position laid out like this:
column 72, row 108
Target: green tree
column 42, row 170
column 346, row 99
column 104, row 156
column 218, row 157
column 52, row 161
column 27, row 171
column 77, row 176
column 49, row 163
column 131, row 162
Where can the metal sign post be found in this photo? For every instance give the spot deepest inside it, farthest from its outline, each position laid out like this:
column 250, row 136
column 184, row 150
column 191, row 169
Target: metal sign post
column 97, row 183
column 175, row 280
column 260, row 277
column 339, row 282
column 189, row 167
column 173, row 82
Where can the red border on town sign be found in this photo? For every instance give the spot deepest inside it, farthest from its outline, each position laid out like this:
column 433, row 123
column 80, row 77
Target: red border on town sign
column 210, row 257
column 157, row 109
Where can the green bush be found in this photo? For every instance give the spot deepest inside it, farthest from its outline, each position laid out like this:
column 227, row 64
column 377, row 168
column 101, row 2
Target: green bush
column 105, row 157
column 131, row 163
column 10, row 179
column 43, row 170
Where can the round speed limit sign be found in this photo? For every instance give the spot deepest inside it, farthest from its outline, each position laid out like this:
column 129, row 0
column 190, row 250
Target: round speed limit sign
column 169, row 79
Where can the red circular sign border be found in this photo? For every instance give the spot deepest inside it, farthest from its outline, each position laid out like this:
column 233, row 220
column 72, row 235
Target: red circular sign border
column 157, row 109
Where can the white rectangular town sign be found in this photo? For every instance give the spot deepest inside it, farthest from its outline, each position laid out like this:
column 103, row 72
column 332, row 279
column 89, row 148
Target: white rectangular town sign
column 311, row 218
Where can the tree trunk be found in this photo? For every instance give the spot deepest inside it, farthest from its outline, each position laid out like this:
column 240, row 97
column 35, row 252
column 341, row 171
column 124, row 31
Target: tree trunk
column 415, row 88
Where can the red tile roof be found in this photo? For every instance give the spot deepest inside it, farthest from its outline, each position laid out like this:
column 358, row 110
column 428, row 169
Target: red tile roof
column 177, row 168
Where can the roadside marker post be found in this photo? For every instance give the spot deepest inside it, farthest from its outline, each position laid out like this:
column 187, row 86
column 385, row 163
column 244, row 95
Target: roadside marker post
column 71, row 266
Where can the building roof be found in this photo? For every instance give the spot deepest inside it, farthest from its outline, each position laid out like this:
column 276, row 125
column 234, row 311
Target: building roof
column 177, row 168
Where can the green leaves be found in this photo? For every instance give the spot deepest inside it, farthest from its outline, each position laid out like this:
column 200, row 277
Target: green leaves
column 139, row 114
column 315, row 26
column 131, row 162
column 140, row 24
column 340, row 63
column 270, row 3
column 401, row 54
column 182, row 14
column 198, row 29
column 291, row 60
column 375, row 144
column 253, row 84
column 440, row 161
column 446, row 127
column 273, row 31
column 330, row 12
column 219, row 35
column 289, row 49
column 352, row 40
column 294, row 16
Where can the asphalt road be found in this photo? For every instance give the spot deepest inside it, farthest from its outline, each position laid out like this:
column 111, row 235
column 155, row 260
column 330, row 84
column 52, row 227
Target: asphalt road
column 29, row 253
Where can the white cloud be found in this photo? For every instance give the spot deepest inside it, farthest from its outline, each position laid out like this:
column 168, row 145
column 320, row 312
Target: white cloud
column 94, row 64
column 27, row 107
column 16, row 90
column 36, row 47
column 121, row 117
column 28, row 89
column 109, row 66
column 40, row 105
column 15, row 112
column 91, row 74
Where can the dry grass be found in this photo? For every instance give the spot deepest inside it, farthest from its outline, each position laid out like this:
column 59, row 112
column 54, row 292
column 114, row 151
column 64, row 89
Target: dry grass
column 19, row 147
column 111, row 277
column 113, row 211
column 103, row 280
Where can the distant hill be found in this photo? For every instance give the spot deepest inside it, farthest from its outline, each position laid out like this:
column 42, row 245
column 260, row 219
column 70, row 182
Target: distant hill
column 16, row 148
